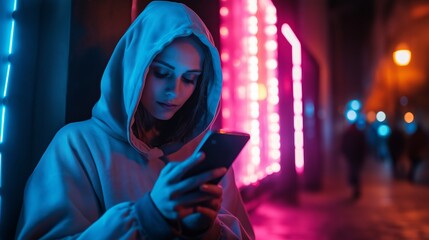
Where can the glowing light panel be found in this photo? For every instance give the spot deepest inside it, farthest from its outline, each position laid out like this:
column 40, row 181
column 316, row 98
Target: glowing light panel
column 8, row 68
column 250, row 98
column 297, row 96
column 5, row 82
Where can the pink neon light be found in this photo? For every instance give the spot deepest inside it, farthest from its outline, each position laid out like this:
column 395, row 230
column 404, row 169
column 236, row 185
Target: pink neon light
column 297, row 123
column 297, row 90
column 224, row 31
column 293, row 40
column 250, row 93
column 224, row 11
column 297, row 107
column 297, row 96
column 297, row 73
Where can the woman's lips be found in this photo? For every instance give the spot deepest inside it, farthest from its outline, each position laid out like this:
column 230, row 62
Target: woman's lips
column 168, row 106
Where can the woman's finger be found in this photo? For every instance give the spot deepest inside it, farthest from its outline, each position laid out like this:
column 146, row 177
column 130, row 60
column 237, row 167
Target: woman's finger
column 213, row 190
column 194, row 198
column 182, row 167
column 196, row 181
column 215, row 204
column 184, row 211
column 210, row 213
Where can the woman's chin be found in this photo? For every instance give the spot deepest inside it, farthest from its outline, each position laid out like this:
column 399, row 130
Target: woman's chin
column 164, row 117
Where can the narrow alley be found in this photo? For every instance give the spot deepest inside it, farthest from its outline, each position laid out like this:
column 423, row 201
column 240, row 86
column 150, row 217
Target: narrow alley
column 388, row 209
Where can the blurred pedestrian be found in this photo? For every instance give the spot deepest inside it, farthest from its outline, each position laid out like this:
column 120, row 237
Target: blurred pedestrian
column 353, row 147
column 396, row 144
column 416, row 147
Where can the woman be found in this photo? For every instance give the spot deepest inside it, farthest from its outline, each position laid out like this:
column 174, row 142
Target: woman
column 118, row 174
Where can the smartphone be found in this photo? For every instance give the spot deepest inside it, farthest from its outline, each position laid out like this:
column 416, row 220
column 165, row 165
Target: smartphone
column 221, row 148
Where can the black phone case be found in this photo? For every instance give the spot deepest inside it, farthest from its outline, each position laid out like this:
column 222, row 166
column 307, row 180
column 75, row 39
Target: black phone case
column 221, row 149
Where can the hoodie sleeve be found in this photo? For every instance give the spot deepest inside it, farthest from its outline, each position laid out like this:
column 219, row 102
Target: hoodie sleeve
column 60, row 200
column 63, row 199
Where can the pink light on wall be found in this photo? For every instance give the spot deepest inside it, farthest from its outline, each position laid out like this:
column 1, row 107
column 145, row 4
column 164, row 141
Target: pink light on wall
column 297, row 96
column 250, row 91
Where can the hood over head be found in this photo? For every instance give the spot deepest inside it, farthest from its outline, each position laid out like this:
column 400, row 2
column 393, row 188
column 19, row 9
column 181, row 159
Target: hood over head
column 123, row 80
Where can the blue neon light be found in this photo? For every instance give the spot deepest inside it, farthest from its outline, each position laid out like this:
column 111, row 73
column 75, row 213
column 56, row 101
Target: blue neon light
column 12, row 29
column 351, row 115
column 383, row 130
column 355, row 105
column 0, row 175
column 6, row 82
column 3, row 113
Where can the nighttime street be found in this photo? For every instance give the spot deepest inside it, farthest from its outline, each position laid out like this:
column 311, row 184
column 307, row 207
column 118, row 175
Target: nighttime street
column 388, row 209
column 109, row 109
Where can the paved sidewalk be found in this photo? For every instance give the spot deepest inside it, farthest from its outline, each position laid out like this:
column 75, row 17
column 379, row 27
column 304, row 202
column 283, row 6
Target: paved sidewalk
column 388, row 209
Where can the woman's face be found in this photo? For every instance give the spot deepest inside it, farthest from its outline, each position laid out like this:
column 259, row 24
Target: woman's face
column 172, row 78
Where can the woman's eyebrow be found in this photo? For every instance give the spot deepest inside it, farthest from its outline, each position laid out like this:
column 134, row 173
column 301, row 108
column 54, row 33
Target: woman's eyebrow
column 172, row 67
column 195, row 71
column 163, row 63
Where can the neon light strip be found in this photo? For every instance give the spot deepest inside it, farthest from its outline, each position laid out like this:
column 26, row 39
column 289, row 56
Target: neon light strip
column 272, row 117
column 6, row 82
column 12, row 29
column 0, row 175
column 3, row 114
column 250, row 84
column 252, row 88
column 297, row 96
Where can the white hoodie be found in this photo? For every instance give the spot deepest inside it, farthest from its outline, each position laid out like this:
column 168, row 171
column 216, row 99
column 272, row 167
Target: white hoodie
column 94, row 179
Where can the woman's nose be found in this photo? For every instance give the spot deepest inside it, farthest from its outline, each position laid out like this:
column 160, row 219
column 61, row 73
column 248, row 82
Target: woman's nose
column 173, row 87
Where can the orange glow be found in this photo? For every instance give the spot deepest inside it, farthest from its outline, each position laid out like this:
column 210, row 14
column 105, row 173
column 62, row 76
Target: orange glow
column 409, row 117
column 370, row 116
column 262, row 92
column 402, row 57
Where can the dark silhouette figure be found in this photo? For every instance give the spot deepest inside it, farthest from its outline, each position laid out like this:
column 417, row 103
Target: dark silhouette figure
column 416, row 147
column 353, row 146
column 396, row 144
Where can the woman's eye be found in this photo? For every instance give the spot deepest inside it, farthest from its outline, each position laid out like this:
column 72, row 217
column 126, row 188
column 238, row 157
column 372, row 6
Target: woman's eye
column 161, row 73
column 192, row 79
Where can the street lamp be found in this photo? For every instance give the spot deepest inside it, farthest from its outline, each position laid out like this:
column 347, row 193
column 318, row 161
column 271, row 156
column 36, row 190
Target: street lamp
column 401, row 57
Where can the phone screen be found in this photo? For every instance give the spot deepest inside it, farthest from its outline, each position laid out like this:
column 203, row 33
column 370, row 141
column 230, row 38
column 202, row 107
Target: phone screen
column 221, row 148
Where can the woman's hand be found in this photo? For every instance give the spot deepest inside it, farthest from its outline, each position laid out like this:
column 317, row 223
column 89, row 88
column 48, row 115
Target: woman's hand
column 204, row 213
column 174, row 198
